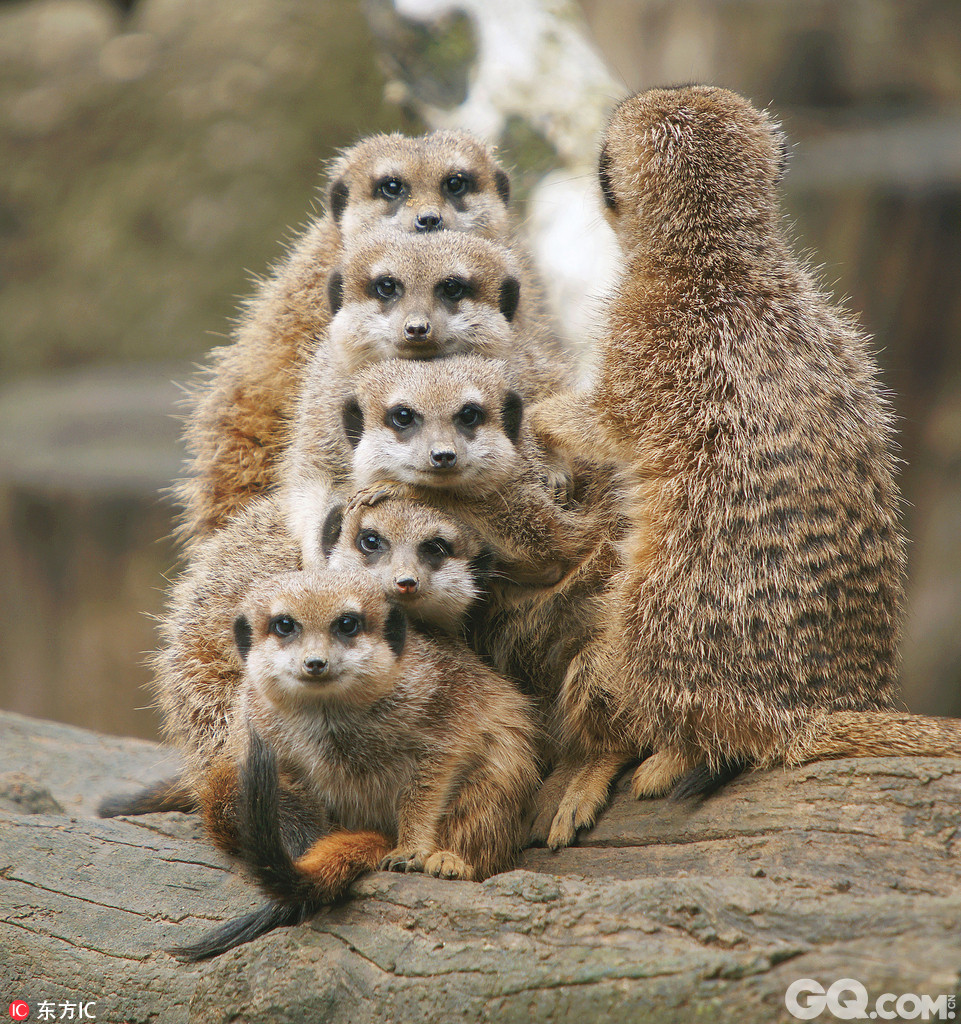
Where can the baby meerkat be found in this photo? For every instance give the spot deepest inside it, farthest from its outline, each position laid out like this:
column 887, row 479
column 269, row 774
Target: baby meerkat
column 395, row 734
column 432, row 565
column 756, row 618
column 238, row 412
column 430, row 296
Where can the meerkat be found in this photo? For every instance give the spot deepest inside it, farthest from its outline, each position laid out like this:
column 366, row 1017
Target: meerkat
column 238, row 410
column 755, row 619
column 434, row 566
column 397, row 735
column 394, row 295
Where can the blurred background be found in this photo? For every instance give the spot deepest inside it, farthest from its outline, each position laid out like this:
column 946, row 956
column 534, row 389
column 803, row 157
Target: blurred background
column 155, row 153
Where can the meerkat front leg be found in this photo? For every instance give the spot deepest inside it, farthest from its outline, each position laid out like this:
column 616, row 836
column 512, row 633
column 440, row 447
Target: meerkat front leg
column 658, row 774
column 585, row 797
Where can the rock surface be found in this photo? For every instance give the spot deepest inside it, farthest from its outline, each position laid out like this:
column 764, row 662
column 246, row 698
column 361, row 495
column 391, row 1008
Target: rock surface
column 665, row 913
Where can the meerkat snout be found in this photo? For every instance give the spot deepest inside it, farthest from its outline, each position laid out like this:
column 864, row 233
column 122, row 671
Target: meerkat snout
column 428, row 220
column 315, row 667
column 417, row 328
column 443, row 458
column 407, row 585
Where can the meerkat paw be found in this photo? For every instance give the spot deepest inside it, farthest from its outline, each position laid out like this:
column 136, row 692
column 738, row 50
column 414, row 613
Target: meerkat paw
column 403, row 859
column 375, row 493
column 585, row 798
column 548, row 800
column 444, row 864
column 657, row 775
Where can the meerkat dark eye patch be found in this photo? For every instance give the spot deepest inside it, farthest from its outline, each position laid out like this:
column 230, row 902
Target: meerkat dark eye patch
column 348, row 625
column 510, row 297
column 470, row 416
column 395, row 630
column 503, row 185
column 353, row 420
column 390, row 189
column 400, row 417
column 243, row 636
column 335, row 292
column 337, row 199
column 453, row 289
column 283, row 626
column 369, row 542
column 330, row 533
column 460, row 183
column 604, row 177
column 385, row 288
column 435, row 551
column 512, row 412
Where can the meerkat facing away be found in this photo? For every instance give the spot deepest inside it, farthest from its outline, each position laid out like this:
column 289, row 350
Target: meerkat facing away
column 756, row 619
column 238, row 411
column 396, row 734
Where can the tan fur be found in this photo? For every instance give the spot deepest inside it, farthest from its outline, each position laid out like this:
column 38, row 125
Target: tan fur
column 334, row 862
column 763, row 581
column 238, row 412
column 412, row 738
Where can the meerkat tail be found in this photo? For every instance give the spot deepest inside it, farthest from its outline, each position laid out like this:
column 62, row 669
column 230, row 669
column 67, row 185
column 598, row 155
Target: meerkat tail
column 172, row 794
column 298, row 888
column 875, row 734
column 704, row 781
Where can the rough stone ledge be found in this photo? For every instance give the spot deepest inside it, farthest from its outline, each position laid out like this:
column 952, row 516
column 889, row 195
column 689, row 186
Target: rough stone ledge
column 666, row 913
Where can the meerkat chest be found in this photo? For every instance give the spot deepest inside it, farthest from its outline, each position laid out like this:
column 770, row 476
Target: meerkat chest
column 360, row 775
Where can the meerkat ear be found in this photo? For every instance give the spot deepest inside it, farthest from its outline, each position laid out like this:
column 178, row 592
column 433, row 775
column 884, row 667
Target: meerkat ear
column 503, row 185
column 604, row 177
column 243, row 636
column 335, row 292
column 337, row 199
column 395, row 630
column 353, row 419
column 510, row 297
column 512, row 412
column 330, row 533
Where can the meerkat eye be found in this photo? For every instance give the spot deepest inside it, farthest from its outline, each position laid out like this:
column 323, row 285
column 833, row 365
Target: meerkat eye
column 470, row 416
column 347, row 625
column 369, row 541
column 437, row 548
column 401, row 417
column 454, row 289
column 386, row 288
column 458, row 184
column 390, row 188
column 283, row 626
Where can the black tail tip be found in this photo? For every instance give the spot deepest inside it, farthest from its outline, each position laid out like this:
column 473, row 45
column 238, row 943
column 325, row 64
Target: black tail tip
column 703, row 782
column 240, row 930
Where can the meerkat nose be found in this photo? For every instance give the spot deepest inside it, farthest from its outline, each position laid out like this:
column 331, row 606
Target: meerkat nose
column 417, row 330
column 428, row 221
column 407, row 585
column 315, row 666
column 443, row 459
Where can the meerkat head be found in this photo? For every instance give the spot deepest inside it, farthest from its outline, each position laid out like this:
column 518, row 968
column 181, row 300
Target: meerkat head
column 432, row 565
column 690, row 166
column 330, row 637
column 453, row 424
column 422, row 297
column 445, row 180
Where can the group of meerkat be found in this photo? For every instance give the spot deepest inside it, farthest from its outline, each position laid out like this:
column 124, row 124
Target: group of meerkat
column 427, row 572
